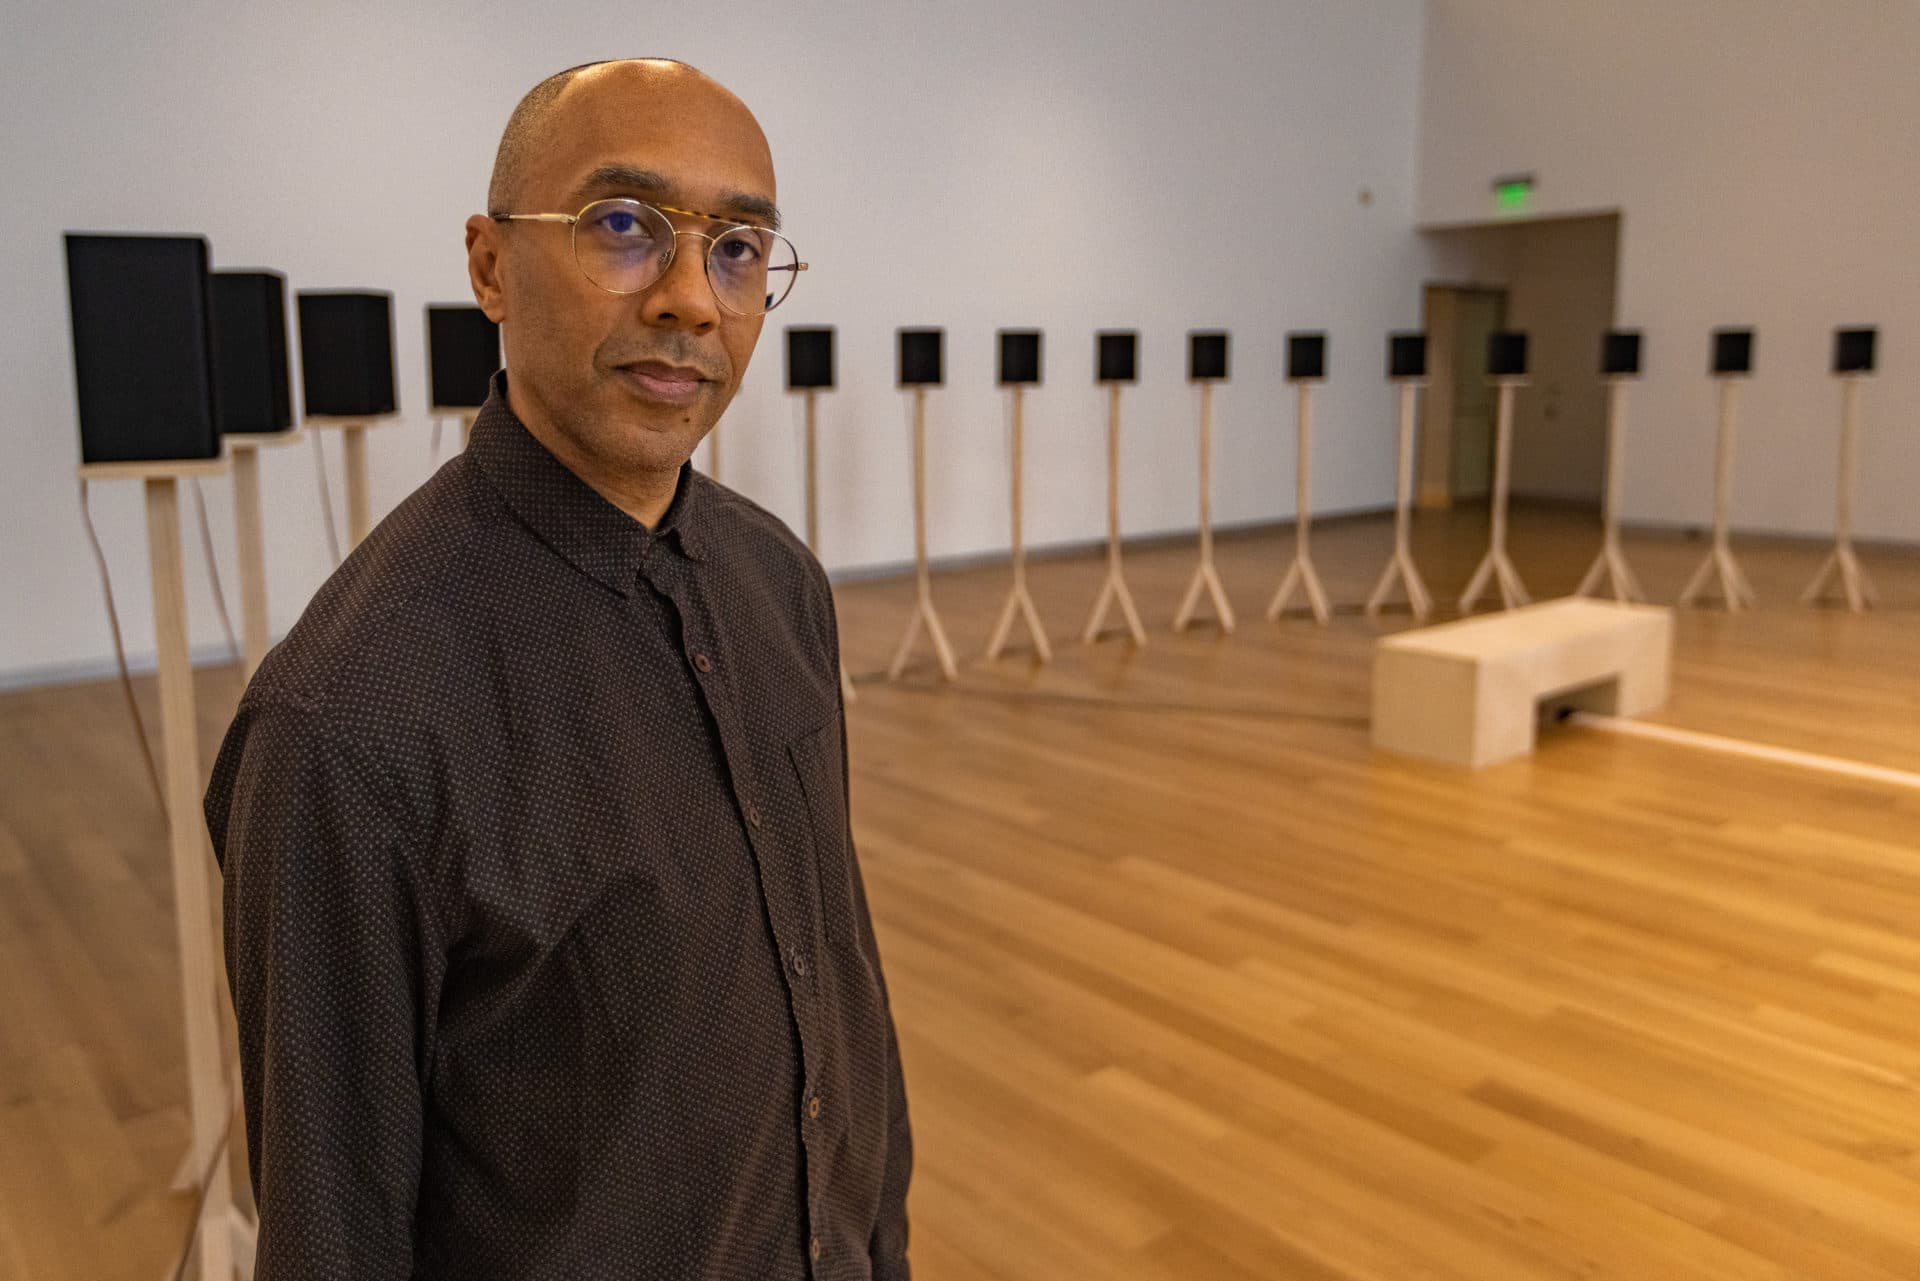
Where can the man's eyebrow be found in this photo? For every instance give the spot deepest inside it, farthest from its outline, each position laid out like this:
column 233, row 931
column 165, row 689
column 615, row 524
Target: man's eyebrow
column 751, row 206
column 651, row 183
column 623, row 178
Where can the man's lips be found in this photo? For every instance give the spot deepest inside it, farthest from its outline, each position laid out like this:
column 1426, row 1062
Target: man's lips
column 657, row 380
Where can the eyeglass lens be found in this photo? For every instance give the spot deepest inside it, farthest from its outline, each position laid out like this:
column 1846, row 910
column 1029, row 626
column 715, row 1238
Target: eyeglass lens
column 623, row 247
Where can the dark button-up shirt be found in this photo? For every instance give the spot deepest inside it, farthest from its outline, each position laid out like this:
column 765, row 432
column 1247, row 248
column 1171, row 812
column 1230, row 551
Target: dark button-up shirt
column 549, row 951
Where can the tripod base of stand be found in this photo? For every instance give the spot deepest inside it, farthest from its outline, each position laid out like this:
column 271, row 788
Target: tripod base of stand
column 1735, row 592
column 1206, row 579
column 1302, row 576
column 1610, row 567
column 1020, row 603
column 924, row 616
column 1114, row 589
column 1856, row 587
column 1513, row 592
column 1401, row 567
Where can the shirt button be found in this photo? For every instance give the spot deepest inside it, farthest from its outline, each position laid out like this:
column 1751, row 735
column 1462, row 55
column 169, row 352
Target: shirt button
column 702, row 662
column 813, row 1107
column 799, row 962
column 813, row 1249
column 753, row 815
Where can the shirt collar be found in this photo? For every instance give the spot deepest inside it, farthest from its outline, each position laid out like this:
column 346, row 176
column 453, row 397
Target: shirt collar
column 568, row 514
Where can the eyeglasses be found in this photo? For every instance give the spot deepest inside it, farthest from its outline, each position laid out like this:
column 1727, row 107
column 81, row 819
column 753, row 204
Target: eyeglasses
column 624, row 246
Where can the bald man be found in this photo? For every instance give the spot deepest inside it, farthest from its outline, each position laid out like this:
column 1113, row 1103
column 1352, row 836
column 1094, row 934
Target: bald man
column 549, row 950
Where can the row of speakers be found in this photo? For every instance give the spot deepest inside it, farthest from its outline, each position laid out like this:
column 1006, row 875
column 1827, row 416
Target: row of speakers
column 212, row 355
column 1116, row 355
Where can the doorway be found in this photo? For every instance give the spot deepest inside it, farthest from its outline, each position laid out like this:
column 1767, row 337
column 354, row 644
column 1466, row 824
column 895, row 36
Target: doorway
column 1556, row 280
column 1457, row 452
column 1477, row 315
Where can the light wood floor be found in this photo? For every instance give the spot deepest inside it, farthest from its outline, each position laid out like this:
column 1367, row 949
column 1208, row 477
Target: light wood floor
column 1190, row 984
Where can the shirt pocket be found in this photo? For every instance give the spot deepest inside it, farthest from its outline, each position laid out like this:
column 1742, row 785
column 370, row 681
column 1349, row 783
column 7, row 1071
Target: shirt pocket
column 817, row 760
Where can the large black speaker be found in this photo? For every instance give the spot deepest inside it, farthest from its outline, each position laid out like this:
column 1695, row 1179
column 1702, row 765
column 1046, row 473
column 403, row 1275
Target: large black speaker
column 463, row 352
column 250, row 351
column 1019, row 356
column 1620, row 353
column 1206, row 356
column 920, row 357
column 809, row 357
column 346, row 353
column 143, row 346
column 1853, row 351
column 1507, row 354
column 1117, row 355
column 1732, row 352
column 1306, row 357
column 1407, row 356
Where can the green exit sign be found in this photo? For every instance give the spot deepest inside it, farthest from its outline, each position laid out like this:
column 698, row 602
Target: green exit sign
column 1513, row 194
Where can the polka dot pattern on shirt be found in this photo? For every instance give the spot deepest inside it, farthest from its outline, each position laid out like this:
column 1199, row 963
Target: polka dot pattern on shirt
column 548, row 944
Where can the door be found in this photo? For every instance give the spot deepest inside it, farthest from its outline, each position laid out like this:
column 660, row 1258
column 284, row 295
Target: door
column 1477, row 313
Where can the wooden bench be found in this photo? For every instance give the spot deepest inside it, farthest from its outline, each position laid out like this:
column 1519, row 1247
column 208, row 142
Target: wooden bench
column 1472, row 692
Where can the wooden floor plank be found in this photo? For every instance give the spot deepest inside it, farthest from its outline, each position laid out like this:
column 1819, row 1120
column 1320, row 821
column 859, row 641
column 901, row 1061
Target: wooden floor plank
column 1191, row 983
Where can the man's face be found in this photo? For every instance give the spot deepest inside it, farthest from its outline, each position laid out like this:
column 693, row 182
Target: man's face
column 633, row 381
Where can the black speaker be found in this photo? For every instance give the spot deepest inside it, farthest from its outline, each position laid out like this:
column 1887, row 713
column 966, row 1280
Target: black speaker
column 463, row 352
column 1853, row 350
column 1507, row 354
column 1732, row 352
column 1306, row 356
column 920, row 357
column 1407, row 355
column 346, row 353
column 1206, row 356
column 809, row 357
column 1620, row 352
column 1116, row 355
column 143, row 345
column 250, row 351
column 1019, row 356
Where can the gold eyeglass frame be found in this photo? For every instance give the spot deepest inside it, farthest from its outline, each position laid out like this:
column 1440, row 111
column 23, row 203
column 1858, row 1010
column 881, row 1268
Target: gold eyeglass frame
column 666, row 261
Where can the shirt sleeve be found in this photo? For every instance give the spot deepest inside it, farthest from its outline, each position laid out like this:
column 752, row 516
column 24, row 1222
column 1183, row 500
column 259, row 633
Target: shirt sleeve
column 333, row 957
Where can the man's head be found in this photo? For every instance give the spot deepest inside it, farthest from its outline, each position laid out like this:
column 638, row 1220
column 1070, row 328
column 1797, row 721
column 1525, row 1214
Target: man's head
column 628, row 383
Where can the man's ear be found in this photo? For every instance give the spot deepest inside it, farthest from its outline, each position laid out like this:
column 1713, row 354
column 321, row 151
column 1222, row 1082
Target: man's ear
column 483, row 266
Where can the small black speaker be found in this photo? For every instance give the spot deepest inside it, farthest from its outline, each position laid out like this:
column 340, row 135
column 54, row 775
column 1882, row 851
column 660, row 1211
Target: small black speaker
column 1407, row 355
column 346, row 353
column 1620, row 353
column 1732, row 352
column 250, row 351
column 1853, row 350
column 143, row 344
column 809, row 357
column 1116, row 355
column 1306, row 356
column 1019, row 356
column 1206, row 356
column 463, row 352
column 920, row 357
column 1507, row 354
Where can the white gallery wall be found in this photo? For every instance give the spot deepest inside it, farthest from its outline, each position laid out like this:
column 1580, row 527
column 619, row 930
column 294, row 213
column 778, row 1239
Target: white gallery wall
column 1066, row 166
column 1762, row 156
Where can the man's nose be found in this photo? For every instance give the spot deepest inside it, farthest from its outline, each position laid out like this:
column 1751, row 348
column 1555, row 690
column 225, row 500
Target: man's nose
column 682, row 296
